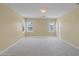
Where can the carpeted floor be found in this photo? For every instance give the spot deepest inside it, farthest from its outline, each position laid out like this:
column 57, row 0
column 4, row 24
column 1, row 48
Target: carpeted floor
column 41, row 46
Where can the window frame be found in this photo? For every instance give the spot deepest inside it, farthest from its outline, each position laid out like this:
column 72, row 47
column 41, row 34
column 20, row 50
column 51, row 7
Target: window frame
column 49, row 27
column 28, row 26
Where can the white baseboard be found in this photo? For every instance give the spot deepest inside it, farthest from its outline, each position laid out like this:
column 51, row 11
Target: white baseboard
column 11, row 46
column 70, row 44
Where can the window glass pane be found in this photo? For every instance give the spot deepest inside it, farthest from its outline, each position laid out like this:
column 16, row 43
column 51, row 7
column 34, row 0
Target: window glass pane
column 51, row 27
column 29, row 27
column 29, row 24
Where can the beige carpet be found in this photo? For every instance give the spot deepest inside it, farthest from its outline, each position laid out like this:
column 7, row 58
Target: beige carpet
column 41, row 46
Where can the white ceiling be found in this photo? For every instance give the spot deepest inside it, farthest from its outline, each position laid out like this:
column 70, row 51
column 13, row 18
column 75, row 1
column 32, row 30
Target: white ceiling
column 33, row 9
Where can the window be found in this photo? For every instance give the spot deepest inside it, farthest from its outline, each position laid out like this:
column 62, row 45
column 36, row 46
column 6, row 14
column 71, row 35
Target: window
column 29, row 27
column 51, row 27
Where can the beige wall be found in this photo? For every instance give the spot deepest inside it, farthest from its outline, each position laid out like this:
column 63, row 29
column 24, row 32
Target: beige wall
column 70, row 27
column 40, row 26
column 10, row 26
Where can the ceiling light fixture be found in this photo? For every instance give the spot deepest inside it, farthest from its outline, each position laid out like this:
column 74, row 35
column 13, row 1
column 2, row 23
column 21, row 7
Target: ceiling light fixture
column 43, row 10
